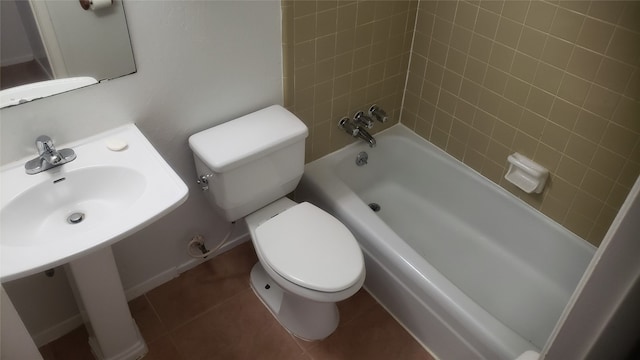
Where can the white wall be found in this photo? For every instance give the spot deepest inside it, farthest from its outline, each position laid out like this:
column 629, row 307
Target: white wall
column 602, row 320
column 199, row 64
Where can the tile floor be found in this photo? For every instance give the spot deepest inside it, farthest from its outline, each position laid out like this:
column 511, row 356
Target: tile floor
column 210, row 312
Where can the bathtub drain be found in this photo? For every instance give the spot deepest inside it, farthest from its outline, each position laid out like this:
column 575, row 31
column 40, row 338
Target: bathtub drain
column 375, row 207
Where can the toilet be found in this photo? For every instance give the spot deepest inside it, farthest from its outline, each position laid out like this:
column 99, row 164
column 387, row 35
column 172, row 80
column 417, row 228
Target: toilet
column 308, row 260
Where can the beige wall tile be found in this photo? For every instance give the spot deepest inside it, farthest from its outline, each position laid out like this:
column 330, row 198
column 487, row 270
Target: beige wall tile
column 626, row 114
column 539, row 102
column 460, row 38
column 555, row 136
column 558, row 81
column 597, row 185
column 571, row 171
column 341, row 57
column 532, row 124
column 492, row 5
column 601, row 101
column 540, row 15
column 480, row 47
column 304, row 28
column 630, row 16
column 495, row 80
column 524, row 144
column 609, row 11
column 524, row 67
column 581, row 6
column 466, row 15
column 566, row 24
column 547, row 157
column 584, row 63
column 532, row 42
column 564, row 113
column 502, row 57
column 557, row 52
column 595, row 35
column 508, row 32
column 515, row 10
column 486, row 23
column 590, row 126
column 580, row 149
column 517, row 90
column 619, row 140
column 510, row 112
column 573, row 89
column 629, row 173
column 614, row 75
column 548, row 78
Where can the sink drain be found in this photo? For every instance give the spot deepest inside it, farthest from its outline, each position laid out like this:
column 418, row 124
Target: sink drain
column 375, row 207
column 75, row 218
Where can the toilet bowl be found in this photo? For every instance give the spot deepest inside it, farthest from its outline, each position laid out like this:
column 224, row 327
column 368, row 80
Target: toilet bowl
column 308, row 260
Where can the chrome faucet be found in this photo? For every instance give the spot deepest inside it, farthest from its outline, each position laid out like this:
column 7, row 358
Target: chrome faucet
column 48, row 156
column 355, row 130
column 368, row 138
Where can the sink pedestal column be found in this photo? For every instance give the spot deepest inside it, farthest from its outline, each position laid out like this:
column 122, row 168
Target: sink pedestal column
column 113, row 334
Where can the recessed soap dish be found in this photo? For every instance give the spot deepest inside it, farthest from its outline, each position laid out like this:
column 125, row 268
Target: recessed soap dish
column 526, row 174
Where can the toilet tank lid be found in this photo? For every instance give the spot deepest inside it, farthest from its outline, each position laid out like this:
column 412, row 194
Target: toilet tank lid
column 233, row 143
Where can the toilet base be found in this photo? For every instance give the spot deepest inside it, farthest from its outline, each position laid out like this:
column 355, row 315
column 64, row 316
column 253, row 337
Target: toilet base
column 306, row 319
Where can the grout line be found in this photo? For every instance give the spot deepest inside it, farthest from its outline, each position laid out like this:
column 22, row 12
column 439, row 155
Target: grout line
column 413, row 42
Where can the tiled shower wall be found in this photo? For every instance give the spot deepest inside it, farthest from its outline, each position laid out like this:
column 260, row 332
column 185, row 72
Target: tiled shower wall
column 341, row 57
column 556, row 81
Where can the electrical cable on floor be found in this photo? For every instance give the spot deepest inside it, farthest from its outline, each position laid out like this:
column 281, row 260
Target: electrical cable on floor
column 198, row 242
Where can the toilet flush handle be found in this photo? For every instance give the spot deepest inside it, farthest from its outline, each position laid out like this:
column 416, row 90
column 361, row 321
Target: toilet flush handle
column 203, row 181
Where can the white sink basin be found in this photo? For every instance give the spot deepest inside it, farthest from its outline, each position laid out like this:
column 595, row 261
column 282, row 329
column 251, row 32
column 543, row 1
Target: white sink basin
column 109, row 194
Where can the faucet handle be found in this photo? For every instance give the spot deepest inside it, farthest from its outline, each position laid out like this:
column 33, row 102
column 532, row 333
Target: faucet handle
column 364, row 120
column 347, row 125
column 43, row 144
column 376, row 112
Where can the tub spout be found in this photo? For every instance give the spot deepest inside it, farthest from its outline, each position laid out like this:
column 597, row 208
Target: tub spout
column 364, row 135
column 356, row 130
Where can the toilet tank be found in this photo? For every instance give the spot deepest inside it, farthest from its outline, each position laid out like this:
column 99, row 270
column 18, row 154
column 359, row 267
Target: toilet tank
column 251, row 161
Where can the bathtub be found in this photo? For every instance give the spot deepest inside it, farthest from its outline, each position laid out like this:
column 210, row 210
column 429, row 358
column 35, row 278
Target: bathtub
column 471, row 271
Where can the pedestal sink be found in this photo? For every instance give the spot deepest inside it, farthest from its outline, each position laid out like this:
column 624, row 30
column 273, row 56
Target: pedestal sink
column 71, row 215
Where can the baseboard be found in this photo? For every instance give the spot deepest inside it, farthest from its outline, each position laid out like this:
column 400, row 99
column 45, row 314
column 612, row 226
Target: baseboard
column 149, row 284
column 172, row 273
column 58, row 330
column 190, row 264
column 17, row 60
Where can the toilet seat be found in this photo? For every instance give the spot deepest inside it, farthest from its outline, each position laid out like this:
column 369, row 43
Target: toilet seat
column 310, row 248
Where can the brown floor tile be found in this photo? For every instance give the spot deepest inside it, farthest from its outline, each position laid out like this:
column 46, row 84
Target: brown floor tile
column 148, row 322
column 162, row 349
column 203, row 287
column 355, row 306
column 46, row 352
column 72, row 346
column 210, row 312
column 371, row 336
column 240, row 328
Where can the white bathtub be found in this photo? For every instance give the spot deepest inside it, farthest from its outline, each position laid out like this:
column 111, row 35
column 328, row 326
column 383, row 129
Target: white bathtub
column 470, row 270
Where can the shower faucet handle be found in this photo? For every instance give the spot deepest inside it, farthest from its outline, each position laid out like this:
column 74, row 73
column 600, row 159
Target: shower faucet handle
column 348, row 126
column 377, row 113
column 361, row 119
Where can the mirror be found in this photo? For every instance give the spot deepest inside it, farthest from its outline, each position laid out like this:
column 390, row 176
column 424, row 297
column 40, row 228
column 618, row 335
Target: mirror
column 45, row 40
